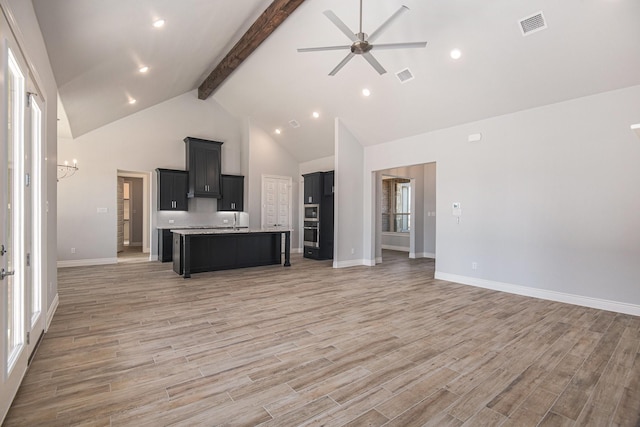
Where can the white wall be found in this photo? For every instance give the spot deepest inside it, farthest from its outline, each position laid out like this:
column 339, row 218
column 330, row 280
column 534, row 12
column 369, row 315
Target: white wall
column 429, row 218
column 267, row 157
column 322, row 164
column 25, row 26
column 550, row 199
column 348, row 238
column 142, row 142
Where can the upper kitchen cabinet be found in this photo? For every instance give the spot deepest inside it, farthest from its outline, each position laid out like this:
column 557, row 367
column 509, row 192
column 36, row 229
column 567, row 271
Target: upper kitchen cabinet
column 312, row 187
column 232, row 193
column 203, row 165
column 172, row 190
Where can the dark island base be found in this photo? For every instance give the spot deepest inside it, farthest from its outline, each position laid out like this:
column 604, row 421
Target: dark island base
column 196, row 253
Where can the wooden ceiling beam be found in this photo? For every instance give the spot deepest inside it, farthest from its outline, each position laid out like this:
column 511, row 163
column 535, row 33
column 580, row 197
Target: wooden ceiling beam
column 271, row 18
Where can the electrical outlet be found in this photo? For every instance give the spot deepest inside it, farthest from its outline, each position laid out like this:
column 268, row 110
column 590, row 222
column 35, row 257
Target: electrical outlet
column 353, row 251
column 225, row 221
column 73, row 250
column 172, row 221
column 474, row 265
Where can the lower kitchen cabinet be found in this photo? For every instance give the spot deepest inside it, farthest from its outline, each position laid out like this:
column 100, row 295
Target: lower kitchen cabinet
column 195, row 253
column 165, row 245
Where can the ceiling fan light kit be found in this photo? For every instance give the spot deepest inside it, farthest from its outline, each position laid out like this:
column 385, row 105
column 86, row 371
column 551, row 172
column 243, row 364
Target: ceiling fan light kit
column 361, row 43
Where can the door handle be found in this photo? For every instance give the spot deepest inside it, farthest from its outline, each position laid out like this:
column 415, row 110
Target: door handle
column 4, row 273
column 2, row 250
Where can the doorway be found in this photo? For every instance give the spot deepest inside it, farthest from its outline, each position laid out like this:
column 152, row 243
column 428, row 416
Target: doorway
column 133, row 219
column 406, row 211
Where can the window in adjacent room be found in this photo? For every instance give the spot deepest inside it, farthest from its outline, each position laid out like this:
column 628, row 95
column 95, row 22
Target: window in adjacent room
column 396, row 205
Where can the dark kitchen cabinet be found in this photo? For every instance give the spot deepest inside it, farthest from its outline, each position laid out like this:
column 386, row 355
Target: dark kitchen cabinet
column 313, row 187
column 327, row 183
column 326, row 217
column 172, row 190
column 165, row 245
column 319, row 189
column 203, row 165
column 232, row 193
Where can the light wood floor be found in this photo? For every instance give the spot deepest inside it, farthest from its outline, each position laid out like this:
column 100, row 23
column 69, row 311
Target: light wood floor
column 137, row 345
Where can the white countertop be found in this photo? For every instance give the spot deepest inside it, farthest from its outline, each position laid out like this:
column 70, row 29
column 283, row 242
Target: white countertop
column 190, row 227
column 216, row 230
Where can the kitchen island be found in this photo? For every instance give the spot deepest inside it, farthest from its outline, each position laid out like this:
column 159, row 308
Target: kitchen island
column 199, row 250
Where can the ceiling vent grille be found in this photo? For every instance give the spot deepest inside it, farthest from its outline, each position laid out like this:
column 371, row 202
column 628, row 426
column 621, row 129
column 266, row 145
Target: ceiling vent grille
column 294, row 124
column 404, row 75
column 533, row 23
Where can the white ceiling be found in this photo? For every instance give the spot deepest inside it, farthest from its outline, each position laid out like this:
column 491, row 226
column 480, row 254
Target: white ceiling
column 590, row 46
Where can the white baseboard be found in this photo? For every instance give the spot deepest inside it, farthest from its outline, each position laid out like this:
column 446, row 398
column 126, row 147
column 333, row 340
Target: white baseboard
column 396, row 248
column 51, row 311
column 352, row 263
column 86, row 262
column 426, row 255
column 601, row 304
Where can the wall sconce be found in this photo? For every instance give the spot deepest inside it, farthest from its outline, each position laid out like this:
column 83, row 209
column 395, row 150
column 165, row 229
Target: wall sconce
column 67, row 170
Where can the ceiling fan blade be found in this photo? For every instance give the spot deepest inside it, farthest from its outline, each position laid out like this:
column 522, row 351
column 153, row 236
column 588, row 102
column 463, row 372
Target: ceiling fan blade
column 319, row 49
column 342, row 63
column 386, row 23
column 341, row 25
column 374, row 63
column 399, row 45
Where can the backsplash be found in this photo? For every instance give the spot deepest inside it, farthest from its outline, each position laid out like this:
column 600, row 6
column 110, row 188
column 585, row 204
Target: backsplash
column 201, row 212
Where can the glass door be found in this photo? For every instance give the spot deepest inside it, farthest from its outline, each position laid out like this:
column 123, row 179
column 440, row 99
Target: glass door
column 33, row 210
column 12, row 217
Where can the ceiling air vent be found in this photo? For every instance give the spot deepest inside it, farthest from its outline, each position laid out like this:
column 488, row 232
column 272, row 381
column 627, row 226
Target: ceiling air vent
column 404, row 75
column 533, row 23
column 294, row 124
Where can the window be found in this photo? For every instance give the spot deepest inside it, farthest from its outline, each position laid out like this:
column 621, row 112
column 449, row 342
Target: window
column 396, row 205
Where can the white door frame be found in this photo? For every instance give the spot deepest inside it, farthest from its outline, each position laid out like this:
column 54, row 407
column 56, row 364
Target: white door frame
column 146, row 207
column 13, row 364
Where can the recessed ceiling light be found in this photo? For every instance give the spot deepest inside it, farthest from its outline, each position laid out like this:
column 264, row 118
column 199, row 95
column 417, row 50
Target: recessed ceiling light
column 315, row 114
column 158, row 23
column 366, row 92
column 132, row 101
column 278, row 131
column 455, row 54
column 143, row 69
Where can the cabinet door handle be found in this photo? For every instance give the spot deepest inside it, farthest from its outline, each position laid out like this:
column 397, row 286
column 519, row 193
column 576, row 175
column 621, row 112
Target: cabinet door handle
column 233, row 205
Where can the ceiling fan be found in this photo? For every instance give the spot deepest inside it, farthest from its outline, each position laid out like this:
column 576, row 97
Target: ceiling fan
column 362, row 43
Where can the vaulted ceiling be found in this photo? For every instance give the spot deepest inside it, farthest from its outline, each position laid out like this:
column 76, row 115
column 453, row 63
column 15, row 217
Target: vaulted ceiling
column 96, row 48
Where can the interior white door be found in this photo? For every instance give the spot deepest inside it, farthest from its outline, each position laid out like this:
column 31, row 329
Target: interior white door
column 276, row 202
column 13, row 206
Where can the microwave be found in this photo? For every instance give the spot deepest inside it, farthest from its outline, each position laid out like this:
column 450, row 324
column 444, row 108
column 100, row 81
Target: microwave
column 311, row 212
